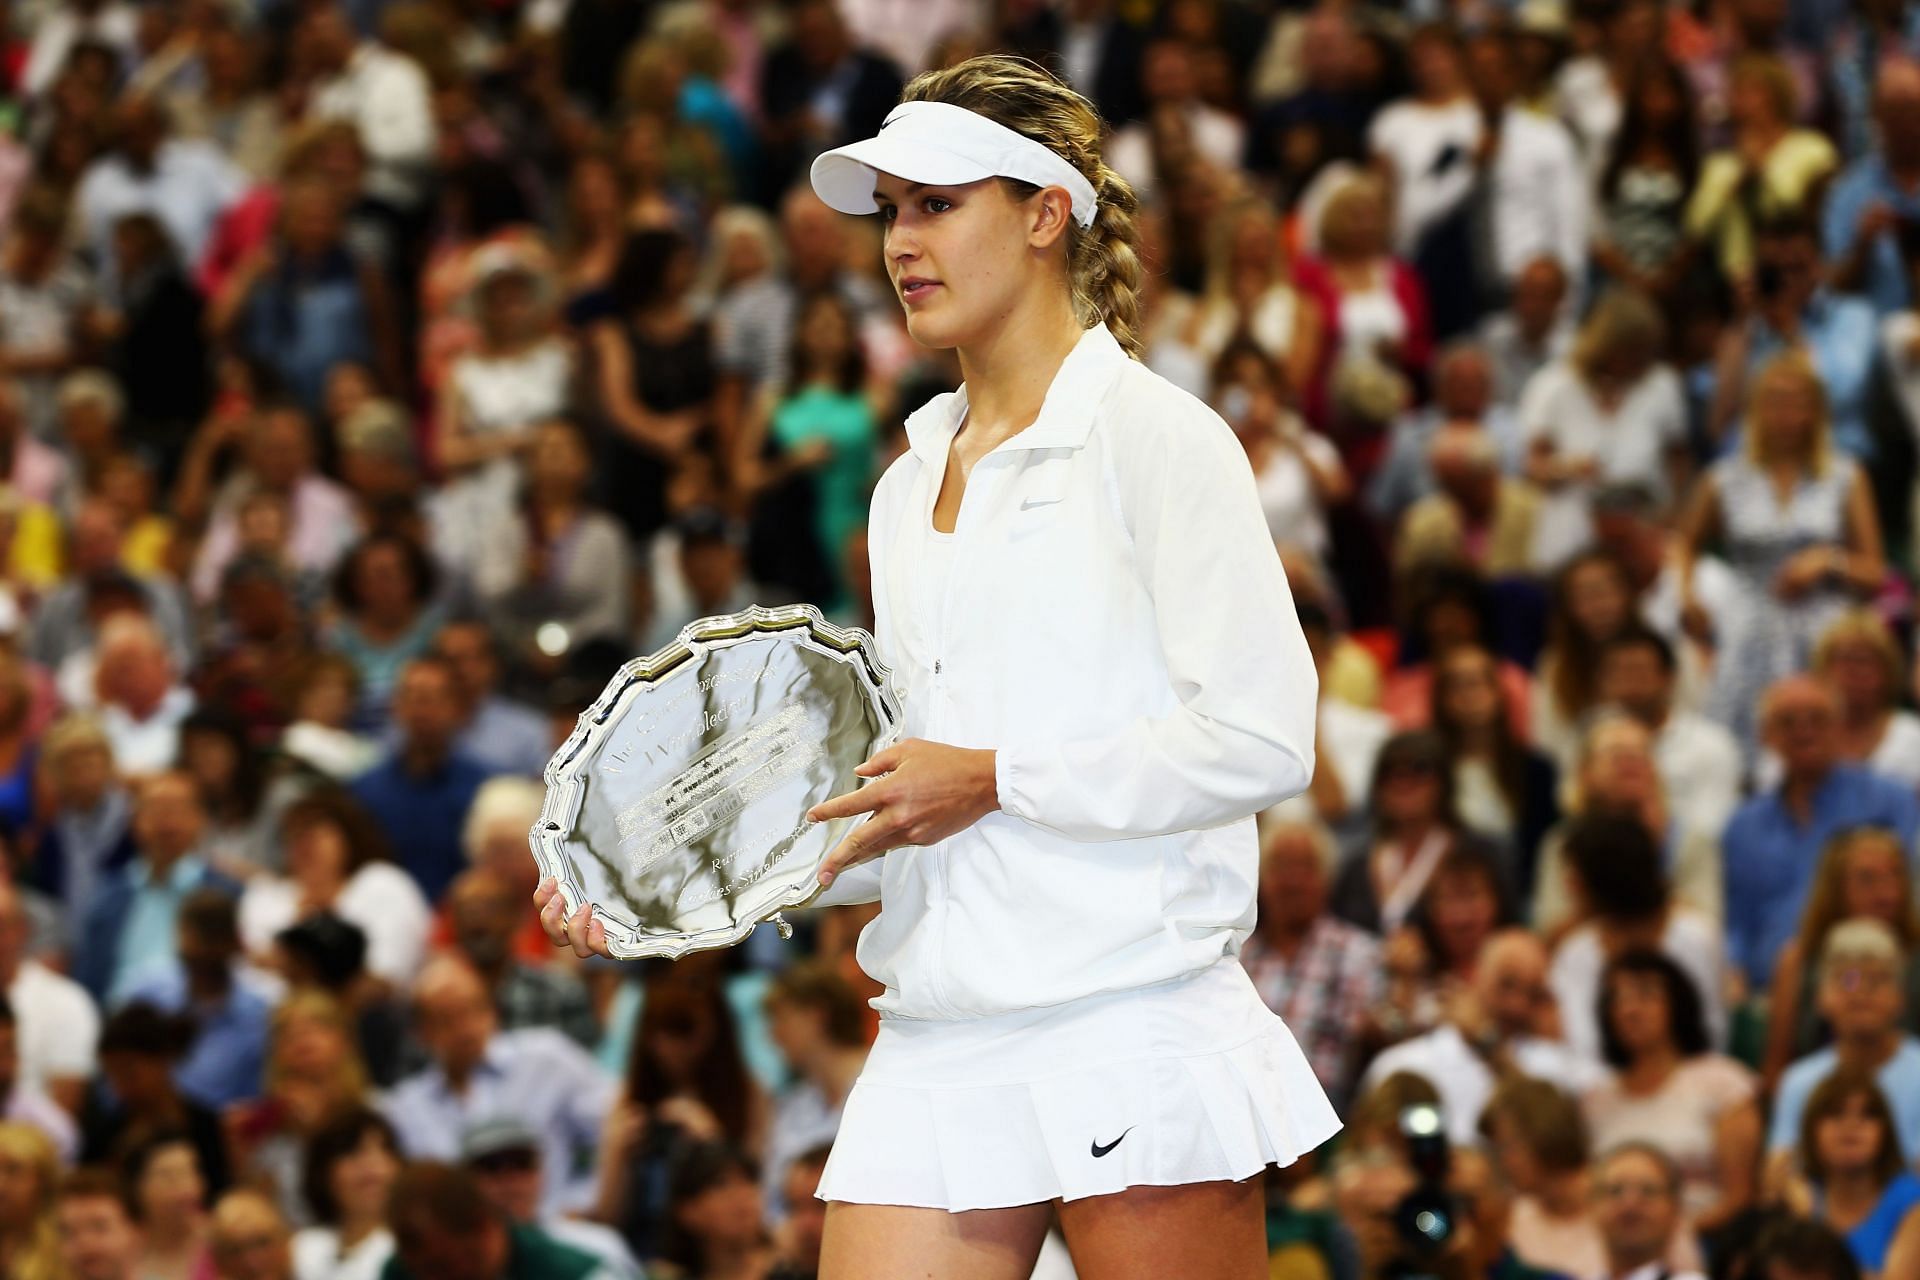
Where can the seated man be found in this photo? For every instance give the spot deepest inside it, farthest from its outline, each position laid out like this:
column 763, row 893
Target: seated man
column 1491, row 1031
column 1636, row 1190
column 481, row 1072
column 1860, row 997
column 444, row 1228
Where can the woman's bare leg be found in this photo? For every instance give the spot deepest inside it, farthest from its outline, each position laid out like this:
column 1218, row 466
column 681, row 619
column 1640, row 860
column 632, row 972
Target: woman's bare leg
column 1212, row 1229
column 902, row 1242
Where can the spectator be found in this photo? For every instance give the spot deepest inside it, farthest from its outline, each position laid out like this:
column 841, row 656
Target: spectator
column 545, row 566
column 385, row 586
column 480, row 1071
column 229, row 1011
column 1415, row 824
column 815, row 1020
column 820, row 52
column 1860, row 970
column 1873, row 203
column 29, row 1180
column 1652, row 166
column 1493, row 1030
column 1618, row 777
column 1788, row 167
column 382, row 92
column 153, row 332
column 1611, row 411
column 1463, row 383
column 248, row 1239
column 502, row 735
column 140, row 698
column 1859, row 657
column 351, row 1164
column 314, row 1072
column 712, row 566
column 1592, row 603
column 1789, row 1248
column 445, row 1228
column 1450, row 606
column 1250, row 297
column 1476, row 518
column 1502, row 788
column 420, row 793
column 1863, row 873
column 1698, row 761
column 1319, row 973
column 1669, row 1090
column 485, row 912
column 1539, row 1143
column 1775, row 838
column 503, row 1155
column 686, row 1083
column 169, row 1197
column 339, row 861
column 1297, row 472
column 99, row 1239
column 716, row 1219
column 1374, row 306
column 36, row 471
column 185, row 184
column 22, row 1102
column 1797, row 566
column 44, row 295
column 276, row 454
column 1638, row 1192
column 135, row 1097
column 55, row 1024
column 1433, row 957
column 1533, row 332
column 130, row 926
column 1855, row 1179
column 1621, row 894
column 88, row 836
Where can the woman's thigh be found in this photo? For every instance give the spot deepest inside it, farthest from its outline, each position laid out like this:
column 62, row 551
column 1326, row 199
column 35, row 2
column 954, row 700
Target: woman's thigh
column 1212, row 1229
column 903, row 1242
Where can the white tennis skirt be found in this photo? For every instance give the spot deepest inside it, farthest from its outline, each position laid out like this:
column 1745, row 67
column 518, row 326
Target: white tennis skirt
column 1193, row 1080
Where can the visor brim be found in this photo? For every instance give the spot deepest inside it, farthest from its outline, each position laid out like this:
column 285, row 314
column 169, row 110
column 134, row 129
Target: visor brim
column 843, row 177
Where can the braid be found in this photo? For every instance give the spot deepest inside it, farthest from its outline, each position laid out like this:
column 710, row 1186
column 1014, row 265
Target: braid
column 1103, row 260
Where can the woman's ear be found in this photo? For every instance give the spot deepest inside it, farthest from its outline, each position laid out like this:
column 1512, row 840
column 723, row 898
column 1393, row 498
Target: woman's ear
column 1052, row 211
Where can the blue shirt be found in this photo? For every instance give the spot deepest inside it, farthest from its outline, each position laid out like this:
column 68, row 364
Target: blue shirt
column 1859, row 185
column 423, row 815
column 506, row 737
column 147, row 942
column 1870, row 1240
column 1899, row 1078
column 230, row 1042
column 1842, row 334
column 536, row 1076
column 1770, row 857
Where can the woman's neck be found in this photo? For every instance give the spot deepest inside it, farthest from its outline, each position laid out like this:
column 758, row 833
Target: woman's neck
column 726, row 1259
column 1008, row 373
column 1564, row 1195
column 1476, row 740
column 1851, row 1195
column 171, row 1239
column 1410, row 833
column 1651, row 1069
column 355, row 1228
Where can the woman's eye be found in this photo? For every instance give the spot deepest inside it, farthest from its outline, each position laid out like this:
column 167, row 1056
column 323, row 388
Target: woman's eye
column 936, row 200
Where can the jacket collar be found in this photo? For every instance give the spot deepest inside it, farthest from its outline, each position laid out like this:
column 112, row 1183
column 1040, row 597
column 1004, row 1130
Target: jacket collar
column 1066, row 414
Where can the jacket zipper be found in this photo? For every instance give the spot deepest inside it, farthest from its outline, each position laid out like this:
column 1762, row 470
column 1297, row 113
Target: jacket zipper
column 937, row 724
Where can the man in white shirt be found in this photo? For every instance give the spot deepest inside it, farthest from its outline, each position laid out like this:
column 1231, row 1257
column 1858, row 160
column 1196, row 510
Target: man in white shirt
column 1538, row 190
column 1636, row 1190
column 1698, row 760
column 56, row 1024
column 185, row 183
column 384, row 93
column 1173, row 101
column 1490, row 1032
column 64, row 25
column 141, row 704
column 1534, row 330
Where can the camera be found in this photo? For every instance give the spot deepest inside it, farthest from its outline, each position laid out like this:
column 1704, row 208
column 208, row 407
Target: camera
column 1427, row 1217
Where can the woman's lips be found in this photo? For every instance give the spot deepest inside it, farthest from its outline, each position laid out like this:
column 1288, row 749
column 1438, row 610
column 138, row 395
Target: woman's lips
column 912, row 291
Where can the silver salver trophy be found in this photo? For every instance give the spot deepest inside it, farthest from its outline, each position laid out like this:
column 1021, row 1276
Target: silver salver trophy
column 678, row 805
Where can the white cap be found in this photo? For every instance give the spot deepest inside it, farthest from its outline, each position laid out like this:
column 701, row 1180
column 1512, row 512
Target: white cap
column 939, row 144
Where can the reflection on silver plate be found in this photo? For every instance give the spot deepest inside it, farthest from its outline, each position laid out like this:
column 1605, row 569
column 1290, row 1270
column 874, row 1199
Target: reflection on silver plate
column 678, row 804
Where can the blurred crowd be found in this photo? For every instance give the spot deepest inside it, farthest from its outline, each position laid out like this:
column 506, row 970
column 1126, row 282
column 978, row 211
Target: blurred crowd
column 377, row 375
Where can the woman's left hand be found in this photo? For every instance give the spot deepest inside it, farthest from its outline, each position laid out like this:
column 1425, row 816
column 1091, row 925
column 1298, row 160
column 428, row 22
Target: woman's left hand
column 930, row 791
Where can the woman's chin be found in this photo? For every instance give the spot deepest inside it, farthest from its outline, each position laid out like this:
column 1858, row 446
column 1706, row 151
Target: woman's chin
column 931, row 331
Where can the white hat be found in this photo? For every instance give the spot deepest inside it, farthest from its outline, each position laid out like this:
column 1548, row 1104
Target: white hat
column 939, row 144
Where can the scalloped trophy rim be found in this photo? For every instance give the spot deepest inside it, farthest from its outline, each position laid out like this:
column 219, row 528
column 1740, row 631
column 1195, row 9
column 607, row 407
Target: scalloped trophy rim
column 560, row 806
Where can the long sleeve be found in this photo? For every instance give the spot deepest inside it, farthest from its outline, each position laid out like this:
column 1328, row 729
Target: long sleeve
column 1242, row 736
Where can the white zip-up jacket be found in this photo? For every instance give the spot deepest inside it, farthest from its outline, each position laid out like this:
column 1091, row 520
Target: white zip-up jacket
column 1117, row 626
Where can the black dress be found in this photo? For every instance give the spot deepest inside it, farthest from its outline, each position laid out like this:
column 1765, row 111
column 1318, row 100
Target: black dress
column 667, row 377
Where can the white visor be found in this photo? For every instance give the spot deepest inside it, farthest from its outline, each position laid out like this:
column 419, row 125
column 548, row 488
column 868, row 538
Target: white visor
column 939, row 144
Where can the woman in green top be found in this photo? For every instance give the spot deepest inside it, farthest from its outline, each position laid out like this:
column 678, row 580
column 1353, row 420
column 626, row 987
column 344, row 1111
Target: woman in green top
column 823, row 424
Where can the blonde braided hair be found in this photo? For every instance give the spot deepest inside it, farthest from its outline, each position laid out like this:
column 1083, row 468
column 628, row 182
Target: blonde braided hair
column 1103, row 260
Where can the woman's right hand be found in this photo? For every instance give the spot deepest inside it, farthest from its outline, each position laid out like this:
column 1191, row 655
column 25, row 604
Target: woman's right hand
column 582, row 931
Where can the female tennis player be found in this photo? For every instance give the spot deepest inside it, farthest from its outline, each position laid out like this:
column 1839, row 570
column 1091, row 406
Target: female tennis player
column 1103, row 682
